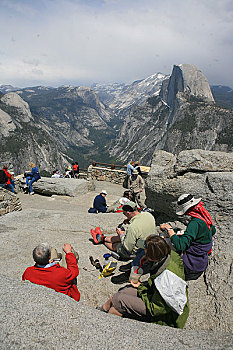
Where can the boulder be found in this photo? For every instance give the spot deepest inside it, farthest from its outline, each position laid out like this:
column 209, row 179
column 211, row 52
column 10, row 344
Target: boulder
column 37, row 317
column 200, row 160
column 61, row 186
column 8, row 202
column 207, row 175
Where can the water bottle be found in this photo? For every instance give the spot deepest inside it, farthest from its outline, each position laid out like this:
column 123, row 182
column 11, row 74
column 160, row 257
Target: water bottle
column 106, row 261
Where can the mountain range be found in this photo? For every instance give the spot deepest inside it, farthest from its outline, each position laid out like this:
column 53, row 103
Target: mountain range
column 114, row 122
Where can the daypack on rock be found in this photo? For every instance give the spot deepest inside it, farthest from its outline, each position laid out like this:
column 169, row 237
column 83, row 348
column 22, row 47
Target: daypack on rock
column 3, row 177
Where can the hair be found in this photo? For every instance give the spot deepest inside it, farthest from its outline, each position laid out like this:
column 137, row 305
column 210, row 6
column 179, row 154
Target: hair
column 41, row 254
column 54, row 171
column 126, row 194
column 156, row 248
column 32, row 165
column 129, row 208
column 137, row 162
column 5, row 166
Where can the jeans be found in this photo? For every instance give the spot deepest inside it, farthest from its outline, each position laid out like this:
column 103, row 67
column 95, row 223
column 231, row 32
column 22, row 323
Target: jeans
column 136, row 261
column 11, row 187
column 29, row 182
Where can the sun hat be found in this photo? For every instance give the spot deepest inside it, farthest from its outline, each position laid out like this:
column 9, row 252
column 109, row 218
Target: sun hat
column 131, row 205
column 135, row 172
column 186, row 201
column 104, row 192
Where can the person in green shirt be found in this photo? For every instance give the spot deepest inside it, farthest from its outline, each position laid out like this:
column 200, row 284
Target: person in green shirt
column 196, row 242
column 148, row 301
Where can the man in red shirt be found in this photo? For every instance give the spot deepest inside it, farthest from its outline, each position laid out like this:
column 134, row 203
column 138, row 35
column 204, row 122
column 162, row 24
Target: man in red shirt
column 49, row 273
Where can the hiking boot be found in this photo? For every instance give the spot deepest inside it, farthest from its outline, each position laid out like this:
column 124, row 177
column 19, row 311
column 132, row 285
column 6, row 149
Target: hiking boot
column 98, row 230
column 122, row 278
column 97, row 238
column 32, row 193
column 125, row 268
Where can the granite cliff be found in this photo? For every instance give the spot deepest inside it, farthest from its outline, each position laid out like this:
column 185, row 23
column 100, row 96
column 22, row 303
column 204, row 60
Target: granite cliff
column 183, row 116
column 114, row 122
column 53, row 127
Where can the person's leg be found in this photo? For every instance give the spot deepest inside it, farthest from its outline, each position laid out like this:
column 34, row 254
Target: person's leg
column 112, row 207
column 111, row 242
column 11, row 187
column 126, row 302
column 107, row 306
column 30, row 184
column 191, row 275
column 139, row 201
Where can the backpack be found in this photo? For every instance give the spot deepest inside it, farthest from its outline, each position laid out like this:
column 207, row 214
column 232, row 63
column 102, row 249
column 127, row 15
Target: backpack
column 3, row 177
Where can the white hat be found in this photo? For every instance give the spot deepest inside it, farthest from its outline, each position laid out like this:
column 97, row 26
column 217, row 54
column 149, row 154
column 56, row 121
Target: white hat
column 186, row 201
column 104, row 192
column 135, row 172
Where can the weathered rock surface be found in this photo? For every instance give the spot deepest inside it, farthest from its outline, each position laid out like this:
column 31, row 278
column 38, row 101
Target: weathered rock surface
column 36, row 317
column 195, row 160
column 186, row 78
column 184, row 116
column 8, row 202
column 203, row 174
column 59, row 186
column 14, row 100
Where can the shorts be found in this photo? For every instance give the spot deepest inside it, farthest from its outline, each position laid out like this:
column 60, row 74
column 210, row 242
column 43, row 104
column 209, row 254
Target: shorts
column 129, row 304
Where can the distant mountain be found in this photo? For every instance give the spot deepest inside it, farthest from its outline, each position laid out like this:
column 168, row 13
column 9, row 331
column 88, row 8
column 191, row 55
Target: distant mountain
column 223, row 95
column 7, row 88
column 77, row 122
column 121, row 97
column 23, row 139
column 114, row 122
column 183, row 116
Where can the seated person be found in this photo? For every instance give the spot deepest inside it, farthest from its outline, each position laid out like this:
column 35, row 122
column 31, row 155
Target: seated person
column 100, row 202
column 116, row 207
column 147, row 301
column 48, row 273
column 196, row 241
column 126, row 241
column 6, row 179
column 56, row 174
column 32, row 177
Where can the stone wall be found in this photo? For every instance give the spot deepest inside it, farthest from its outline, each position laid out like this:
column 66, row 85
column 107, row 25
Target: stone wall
column 106, row 174
column 110, row 175
column 8, row 202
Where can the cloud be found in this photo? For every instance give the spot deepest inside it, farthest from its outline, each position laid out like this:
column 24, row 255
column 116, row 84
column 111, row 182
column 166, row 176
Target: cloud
column 77, row 41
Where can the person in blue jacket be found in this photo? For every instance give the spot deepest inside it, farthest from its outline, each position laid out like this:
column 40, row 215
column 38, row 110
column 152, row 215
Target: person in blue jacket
column 100, row 202
column 32, row 177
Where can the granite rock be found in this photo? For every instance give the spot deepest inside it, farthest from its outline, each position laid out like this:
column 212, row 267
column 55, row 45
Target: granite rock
column 191, row 174
column 61, row 186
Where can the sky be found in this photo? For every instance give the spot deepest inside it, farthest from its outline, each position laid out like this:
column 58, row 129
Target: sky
column 80, row 42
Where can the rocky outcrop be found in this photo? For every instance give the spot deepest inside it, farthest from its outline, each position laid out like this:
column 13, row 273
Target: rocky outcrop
column 208, row 175
column 182, row 117
column 60, row 186
column 68, row 324
column 14, row 100
column 9, row 202
column 188, row 79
